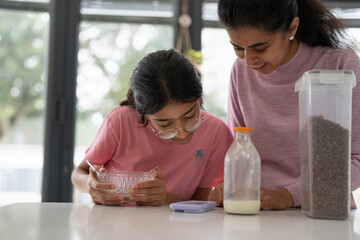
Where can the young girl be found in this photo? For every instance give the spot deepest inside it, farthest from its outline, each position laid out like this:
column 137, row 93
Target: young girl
column 160, row 127
column 276, row 41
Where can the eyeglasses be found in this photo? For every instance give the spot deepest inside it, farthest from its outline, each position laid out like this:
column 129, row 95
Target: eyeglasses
column 170, row 133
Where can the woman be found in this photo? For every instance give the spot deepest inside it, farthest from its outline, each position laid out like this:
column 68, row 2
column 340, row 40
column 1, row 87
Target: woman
column 276, row 41
column 160, row 127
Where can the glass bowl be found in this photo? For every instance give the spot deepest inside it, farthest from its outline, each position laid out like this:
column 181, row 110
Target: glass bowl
column 124, row 181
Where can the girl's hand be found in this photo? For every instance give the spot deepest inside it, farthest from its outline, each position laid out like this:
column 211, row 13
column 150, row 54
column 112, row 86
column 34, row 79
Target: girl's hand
column 216, row 195
column 96, row 190
column 276, row 200
column 150, row 193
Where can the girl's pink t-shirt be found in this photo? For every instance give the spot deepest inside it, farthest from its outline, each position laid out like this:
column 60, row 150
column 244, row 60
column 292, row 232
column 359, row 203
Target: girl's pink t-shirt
column 123, row 144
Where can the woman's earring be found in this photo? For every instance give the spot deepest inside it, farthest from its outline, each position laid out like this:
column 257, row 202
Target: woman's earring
column 291, row 38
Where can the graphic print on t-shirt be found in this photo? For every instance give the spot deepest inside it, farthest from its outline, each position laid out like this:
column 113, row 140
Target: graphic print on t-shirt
column 199, row 156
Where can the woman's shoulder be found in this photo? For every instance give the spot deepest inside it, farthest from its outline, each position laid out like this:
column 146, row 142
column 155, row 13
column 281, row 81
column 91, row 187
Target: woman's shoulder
column 347, row 58
column 331, row 53
column 330, row 58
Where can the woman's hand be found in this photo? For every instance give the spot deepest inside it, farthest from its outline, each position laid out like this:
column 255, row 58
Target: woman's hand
column 96, row 190
column 269, row 199
column 276, row 200
column 216, row 195
column 150, row 193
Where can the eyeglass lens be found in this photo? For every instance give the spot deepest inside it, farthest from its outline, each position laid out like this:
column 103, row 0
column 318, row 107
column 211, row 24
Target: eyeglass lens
column 170, row 133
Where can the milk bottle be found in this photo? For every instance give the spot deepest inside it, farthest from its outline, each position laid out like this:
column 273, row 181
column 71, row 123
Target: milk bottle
column 242, row 175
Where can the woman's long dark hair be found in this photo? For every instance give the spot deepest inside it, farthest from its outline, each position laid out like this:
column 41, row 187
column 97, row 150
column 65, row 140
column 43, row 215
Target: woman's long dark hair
column 318, row 26
column 159, row 78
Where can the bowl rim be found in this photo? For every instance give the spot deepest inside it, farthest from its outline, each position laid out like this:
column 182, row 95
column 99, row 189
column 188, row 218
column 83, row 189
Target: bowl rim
column 127, row 173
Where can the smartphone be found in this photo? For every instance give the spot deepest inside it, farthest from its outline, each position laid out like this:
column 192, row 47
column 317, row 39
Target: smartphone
column 193, row 206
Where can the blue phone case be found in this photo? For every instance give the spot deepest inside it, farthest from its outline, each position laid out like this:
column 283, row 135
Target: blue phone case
column 193, row 206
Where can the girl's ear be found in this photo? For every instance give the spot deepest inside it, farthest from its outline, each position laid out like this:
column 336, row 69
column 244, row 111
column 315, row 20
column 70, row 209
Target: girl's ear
column 294, row 27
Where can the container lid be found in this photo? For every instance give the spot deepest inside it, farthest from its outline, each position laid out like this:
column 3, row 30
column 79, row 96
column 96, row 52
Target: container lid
column 236, row 129
column 326, row 77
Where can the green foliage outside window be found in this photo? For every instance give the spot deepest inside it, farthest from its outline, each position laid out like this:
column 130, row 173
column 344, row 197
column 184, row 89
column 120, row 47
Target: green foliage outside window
column 23, row 47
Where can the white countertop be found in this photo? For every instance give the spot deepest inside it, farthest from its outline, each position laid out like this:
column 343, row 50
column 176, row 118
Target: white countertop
column 87, row 221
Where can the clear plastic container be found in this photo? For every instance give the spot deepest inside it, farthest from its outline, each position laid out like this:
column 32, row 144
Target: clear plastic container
column 325, row 102
column 124, row 181
column 242, row 175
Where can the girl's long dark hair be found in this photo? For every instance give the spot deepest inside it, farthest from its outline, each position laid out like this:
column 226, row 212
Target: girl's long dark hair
column 318, row 26
column 159, row 78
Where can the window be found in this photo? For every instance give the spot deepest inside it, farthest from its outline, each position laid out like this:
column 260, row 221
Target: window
column 24, row 44
column 215, row 73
